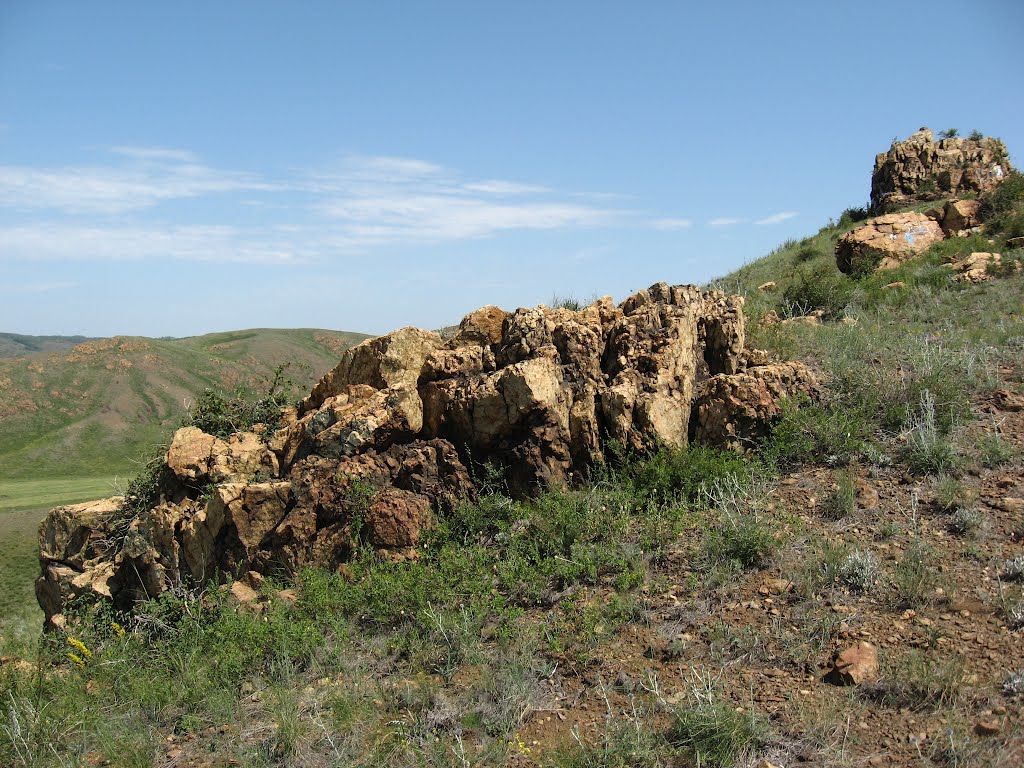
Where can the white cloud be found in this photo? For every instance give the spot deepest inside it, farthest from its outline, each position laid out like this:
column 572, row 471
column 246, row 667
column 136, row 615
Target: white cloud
column 148, row 177
column 353, row 205
column 505, row 188
column 164, row 154
column 775, row 218
column 671, row 224
column 725, row 221
column 62, row 242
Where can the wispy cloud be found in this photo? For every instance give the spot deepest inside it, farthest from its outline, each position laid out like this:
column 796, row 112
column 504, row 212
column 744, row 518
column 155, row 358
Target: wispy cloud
column 725, row 221
column 137, row 178
column 672, row 224
column 389, row 200
column 775, row 218
column 64, row 242
column 352, row 205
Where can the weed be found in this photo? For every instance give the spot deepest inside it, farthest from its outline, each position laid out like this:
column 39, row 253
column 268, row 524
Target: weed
column 928, row 451
column 995, row 452
column 917, row 681
column 914, row 576
column 713, row 732
column 1013, row 685
column 966, row 521
column 221, row 415
column 951, row 494
column 842, row 501
column 1013, row 569
column 821, row 288
column 859, row 571
column 808, row 430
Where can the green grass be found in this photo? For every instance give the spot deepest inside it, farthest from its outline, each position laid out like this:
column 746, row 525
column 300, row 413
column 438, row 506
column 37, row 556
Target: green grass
column 36, row 495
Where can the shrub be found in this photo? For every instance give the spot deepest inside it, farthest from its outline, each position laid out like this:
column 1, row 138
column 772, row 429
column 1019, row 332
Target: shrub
column 928, row 450
column 949, row 133
column 680, row 474
column 859, row 570
column 853, row 215
column 808, row 431
column 821, row 287
column 1002, row 209
column 914, row 576
column 715, row 733
column 976, row 135
column 994, row 451
column 841, row 501
column 223, row 415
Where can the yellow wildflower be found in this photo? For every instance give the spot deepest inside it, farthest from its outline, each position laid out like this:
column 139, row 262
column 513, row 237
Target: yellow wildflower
column 77, row 659
column 79, row 646
column 118, row 629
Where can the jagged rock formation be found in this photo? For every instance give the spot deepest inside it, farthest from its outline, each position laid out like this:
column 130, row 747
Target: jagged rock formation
column 921, row 169
column 388, row 439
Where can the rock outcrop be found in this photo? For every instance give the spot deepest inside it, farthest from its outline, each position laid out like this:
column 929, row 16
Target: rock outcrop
column 921, row 169
column 885, row 242
column 391, row 436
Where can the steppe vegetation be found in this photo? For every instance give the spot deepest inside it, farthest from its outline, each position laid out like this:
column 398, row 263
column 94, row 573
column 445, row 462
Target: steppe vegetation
column 684, row 608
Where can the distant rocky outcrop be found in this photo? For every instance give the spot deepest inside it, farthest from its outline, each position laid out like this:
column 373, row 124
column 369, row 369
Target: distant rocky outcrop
column 922, row 169
column 394, row 434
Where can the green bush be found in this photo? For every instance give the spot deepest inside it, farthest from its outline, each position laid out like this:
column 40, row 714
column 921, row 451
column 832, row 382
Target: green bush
column 853, row 215
column 715, row 733
column 223, row 415
column 808, row 431
column 679, row 474
column 821, row 287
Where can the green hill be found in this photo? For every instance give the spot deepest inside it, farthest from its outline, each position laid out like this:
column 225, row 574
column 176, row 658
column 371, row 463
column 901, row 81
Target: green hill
column 96, row 408
column 19, row 345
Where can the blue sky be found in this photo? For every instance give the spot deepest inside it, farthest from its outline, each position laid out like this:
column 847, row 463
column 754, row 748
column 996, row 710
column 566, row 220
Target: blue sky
column 180, row 168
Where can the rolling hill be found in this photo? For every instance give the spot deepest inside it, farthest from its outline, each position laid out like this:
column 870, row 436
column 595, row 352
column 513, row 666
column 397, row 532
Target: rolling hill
column 99, row 406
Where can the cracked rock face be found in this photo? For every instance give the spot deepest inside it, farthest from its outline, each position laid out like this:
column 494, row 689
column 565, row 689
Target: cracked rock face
column 921, row 169
column 386, row 441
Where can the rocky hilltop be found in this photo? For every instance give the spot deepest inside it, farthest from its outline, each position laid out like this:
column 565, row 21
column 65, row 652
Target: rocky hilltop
column 922, row 169
column 398, row 431
column 955, row 174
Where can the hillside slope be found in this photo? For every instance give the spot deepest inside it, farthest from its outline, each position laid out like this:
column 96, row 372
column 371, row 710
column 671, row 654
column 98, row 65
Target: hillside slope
column 19, row 345
column 98, row 407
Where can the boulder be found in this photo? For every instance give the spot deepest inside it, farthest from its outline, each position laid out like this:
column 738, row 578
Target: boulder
column 976, row 267
column 959, row 217
column 854, row 665
column 921, row 169
column 734, row 410
column 885, row 242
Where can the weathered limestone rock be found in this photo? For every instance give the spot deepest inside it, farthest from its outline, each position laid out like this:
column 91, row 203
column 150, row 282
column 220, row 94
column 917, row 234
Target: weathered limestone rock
column 976, row 267
column 381, row 445
column 386, row 361
column 733, row 410
column 885, row 242
column 198, row 459
column 921, row 168
column 959, row 217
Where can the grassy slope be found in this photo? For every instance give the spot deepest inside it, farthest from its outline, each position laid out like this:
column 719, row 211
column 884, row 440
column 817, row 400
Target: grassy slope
column 95, row 409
